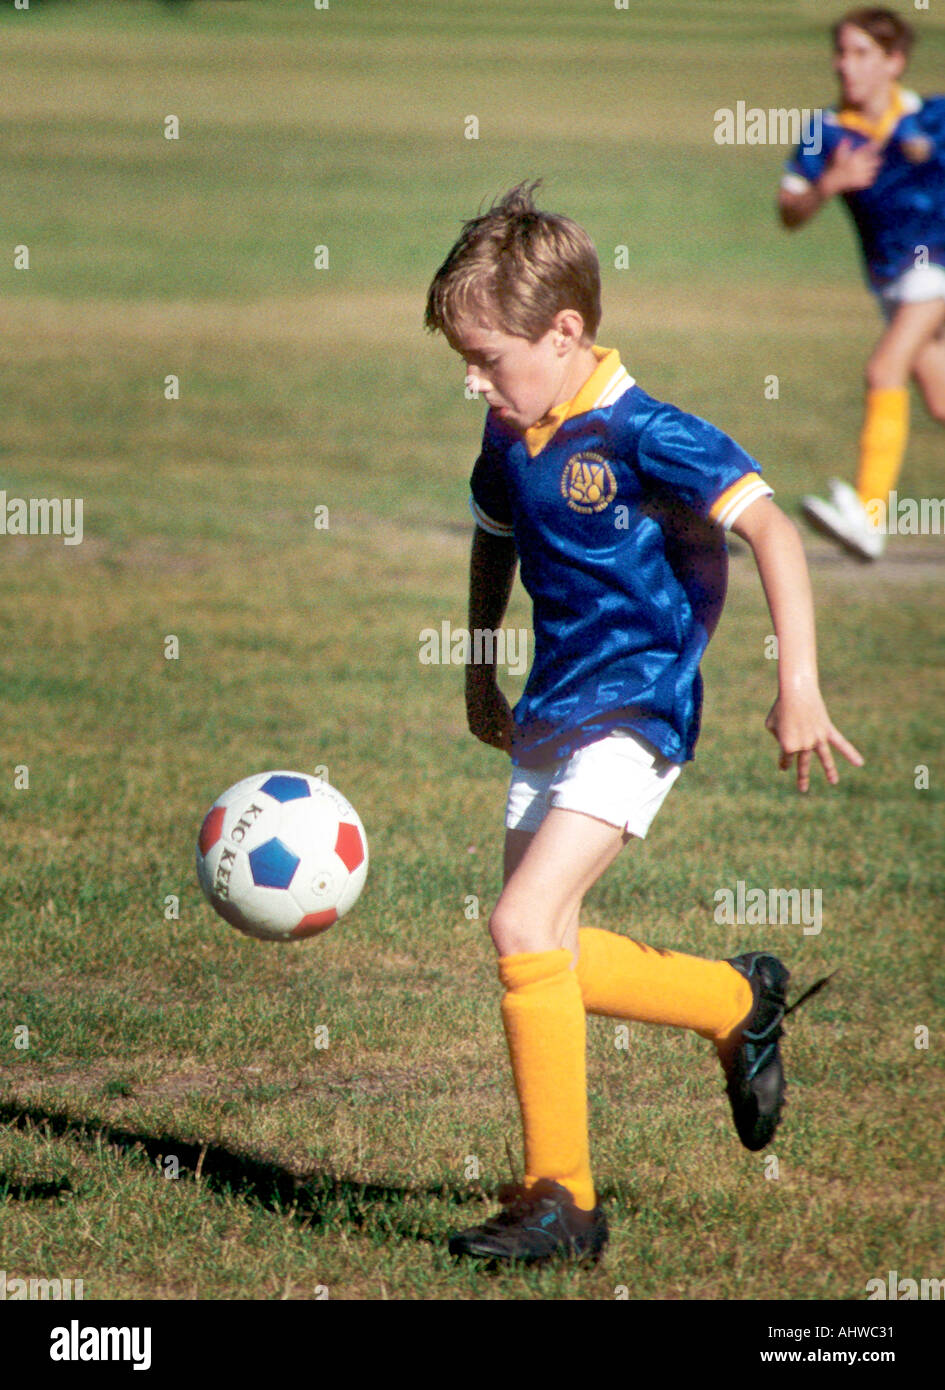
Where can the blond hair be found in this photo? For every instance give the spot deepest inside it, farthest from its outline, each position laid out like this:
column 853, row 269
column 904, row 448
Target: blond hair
column 514, row 268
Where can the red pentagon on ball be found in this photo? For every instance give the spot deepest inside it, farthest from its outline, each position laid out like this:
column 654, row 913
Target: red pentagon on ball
column 211, row 829
column 348, row 846
column 313, row 923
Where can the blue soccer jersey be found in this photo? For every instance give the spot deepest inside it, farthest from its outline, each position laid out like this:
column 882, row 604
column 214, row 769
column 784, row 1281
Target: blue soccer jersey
column 904, row 209
column 617, row 505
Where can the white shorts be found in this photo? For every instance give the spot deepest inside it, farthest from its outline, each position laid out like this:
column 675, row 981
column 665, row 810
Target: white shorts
column 915, row 286
column 620, row 779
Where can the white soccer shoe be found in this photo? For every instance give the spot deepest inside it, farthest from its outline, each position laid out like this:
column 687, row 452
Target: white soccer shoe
column 845, row 519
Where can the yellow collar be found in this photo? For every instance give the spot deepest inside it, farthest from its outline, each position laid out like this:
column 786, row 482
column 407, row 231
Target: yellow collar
column 880, row 130
column 607, row 381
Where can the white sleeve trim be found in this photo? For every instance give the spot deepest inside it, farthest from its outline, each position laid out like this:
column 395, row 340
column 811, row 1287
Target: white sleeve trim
column 744, row 499
column 618, row 385
column 495, row 528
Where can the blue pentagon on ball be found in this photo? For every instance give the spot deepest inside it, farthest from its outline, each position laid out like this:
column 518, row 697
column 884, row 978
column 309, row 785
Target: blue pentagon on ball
column 272, row 864
column 285, row 788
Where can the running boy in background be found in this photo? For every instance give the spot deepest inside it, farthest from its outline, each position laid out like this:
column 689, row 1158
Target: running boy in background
column 615, row 506
column 883, row 152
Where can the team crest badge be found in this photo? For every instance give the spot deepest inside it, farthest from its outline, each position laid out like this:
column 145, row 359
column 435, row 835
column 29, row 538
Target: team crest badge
column 588, row 483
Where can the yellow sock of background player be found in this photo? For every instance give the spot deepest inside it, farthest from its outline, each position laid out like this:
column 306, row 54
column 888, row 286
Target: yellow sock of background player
column 882, row 443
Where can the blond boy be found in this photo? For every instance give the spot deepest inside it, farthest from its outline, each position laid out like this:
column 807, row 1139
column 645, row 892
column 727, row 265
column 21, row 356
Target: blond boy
column 614, row 505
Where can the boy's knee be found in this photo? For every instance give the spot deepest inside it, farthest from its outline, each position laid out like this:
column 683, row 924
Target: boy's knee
column 505, row 928
column 514, row 930
column 884, row 372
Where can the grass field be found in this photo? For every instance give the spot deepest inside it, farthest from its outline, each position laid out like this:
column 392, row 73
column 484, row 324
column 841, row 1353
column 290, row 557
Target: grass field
column 154, row 1037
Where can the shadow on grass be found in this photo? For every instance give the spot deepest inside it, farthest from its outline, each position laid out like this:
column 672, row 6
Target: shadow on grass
column 33, row 1191
column 315, row 1200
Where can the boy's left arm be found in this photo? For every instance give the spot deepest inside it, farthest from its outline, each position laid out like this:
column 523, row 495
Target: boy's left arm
column 798, row 717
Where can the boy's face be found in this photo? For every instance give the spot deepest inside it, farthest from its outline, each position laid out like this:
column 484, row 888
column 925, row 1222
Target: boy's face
column 864, row 67
column 520, row 380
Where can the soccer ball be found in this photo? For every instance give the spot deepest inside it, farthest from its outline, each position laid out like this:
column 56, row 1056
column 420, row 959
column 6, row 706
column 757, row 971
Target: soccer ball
column 282, row 856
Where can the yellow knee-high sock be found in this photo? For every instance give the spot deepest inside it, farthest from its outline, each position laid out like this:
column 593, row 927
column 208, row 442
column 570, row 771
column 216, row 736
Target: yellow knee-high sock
column 623, row 978
column 882, row 443
column 546, row 1028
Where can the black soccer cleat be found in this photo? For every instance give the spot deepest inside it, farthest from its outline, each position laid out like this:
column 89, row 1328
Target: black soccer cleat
column 537, row 1223
column 751, row 1060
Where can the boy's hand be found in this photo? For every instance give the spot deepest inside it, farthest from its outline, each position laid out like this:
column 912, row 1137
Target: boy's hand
column 798, row 717
column 802, row 727
column 488, row 712
column 853, row 168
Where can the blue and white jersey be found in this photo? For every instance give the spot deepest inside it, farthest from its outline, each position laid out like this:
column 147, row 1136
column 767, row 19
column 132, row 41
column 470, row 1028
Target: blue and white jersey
column 904, row 210
column 617, row 504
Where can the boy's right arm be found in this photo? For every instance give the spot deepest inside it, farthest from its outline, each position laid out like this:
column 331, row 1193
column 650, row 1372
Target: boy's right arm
column 851, row 168
column 491, row 575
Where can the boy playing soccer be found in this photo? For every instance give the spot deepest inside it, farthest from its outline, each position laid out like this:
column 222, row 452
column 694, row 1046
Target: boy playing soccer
column 614, row 505
column 883, row 152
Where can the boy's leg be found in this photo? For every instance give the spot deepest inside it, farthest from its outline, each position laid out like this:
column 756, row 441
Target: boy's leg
column 546, row 875
column 912, row 328
column 623, row 978
column 910, row 346
column 929, row 373
column 534, row 927
column 738, row 1004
